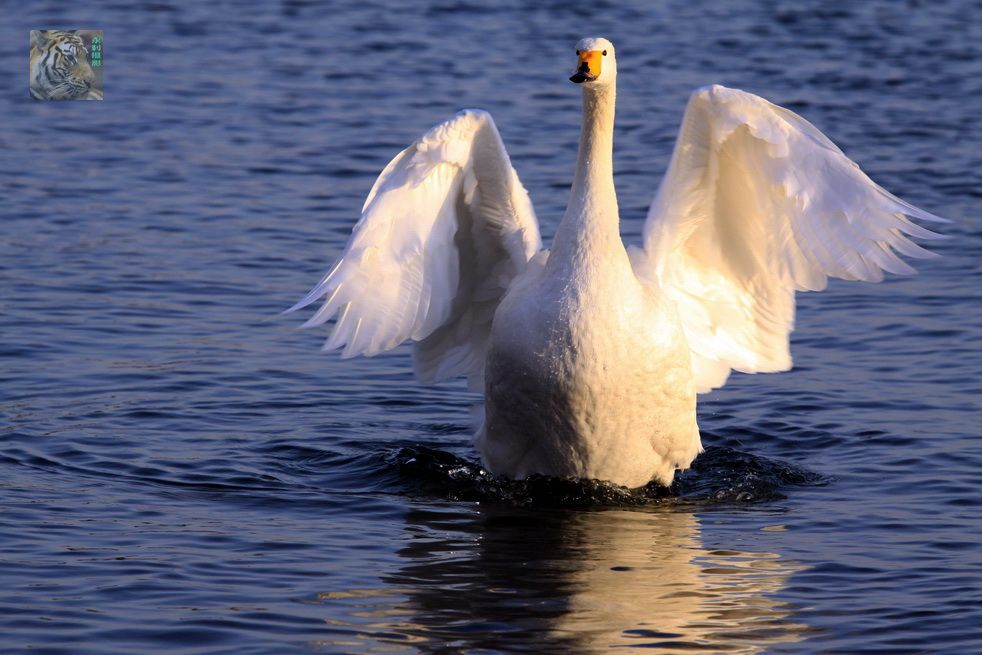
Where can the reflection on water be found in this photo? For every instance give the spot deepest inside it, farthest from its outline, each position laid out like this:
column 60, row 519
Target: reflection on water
column 578, row 582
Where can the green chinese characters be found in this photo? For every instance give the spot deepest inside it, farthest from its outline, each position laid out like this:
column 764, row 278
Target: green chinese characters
column 97, row 51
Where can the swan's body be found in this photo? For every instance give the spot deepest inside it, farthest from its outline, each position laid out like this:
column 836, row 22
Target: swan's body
column 591, row 355
column 574, row 370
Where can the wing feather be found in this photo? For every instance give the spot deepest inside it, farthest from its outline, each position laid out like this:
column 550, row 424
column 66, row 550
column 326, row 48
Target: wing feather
column 757, row 203
column 444, row 230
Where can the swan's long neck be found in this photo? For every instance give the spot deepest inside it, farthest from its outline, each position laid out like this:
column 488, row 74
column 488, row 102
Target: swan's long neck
column 590, row 226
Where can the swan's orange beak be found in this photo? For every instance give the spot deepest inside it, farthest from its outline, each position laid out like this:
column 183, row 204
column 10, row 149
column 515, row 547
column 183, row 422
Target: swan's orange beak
column 588, row 68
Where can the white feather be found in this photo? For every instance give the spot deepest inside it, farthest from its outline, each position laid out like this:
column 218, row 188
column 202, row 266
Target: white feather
column 444, row 230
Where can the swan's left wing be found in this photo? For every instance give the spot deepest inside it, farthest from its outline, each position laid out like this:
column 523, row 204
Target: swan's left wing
column 443, row 232
column 756, row 204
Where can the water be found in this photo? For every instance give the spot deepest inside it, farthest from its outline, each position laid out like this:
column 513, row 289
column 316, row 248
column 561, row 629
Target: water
column 183, row 472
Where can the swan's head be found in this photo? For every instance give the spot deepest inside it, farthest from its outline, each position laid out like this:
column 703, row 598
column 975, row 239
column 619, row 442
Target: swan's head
column 596, row 64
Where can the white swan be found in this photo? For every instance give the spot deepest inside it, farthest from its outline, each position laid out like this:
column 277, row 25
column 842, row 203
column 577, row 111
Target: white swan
column 591, row 355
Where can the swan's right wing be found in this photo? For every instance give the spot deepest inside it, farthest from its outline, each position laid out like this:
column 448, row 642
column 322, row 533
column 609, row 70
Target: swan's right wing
column 443, row 232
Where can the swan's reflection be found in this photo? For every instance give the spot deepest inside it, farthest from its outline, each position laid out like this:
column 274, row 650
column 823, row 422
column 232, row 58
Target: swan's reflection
column 576, row 582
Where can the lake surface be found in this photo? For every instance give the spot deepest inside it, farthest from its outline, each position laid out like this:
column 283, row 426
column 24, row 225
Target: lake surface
column 182, row 471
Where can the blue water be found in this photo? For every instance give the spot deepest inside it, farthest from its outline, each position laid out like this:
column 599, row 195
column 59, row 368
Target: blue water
column 183, row 472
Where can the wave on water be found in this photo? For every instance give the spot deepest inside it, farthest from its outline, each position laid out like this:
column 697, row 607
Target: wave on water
column 291, row 473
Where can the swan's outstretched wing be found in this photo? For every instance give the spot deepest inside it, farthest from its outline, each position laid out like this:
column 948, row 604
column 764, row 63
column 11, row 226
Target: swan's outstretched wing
column 756, row 204
column 443, row 232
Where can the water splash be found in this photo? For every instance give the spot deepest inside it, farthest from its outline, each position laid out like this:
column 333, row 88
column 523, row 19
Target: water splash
column 719, row 475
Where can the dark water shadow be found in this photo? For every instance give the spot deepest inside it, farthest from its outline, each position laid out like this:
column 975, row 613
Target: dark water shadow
column 719, row 475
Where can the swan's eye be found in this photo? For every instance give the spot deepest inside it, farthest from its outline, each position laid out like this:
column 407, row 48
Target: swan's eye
column 577, row 53
column 605, row 53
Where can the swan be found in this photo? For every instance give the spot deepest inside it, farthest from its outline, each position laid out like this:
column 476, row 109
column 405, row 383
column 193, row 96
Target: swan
column 591, row 354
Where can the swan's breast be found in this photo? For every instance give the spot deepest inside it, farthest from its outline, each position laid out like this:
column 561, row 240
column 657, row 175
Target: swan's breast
column 580, row 381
